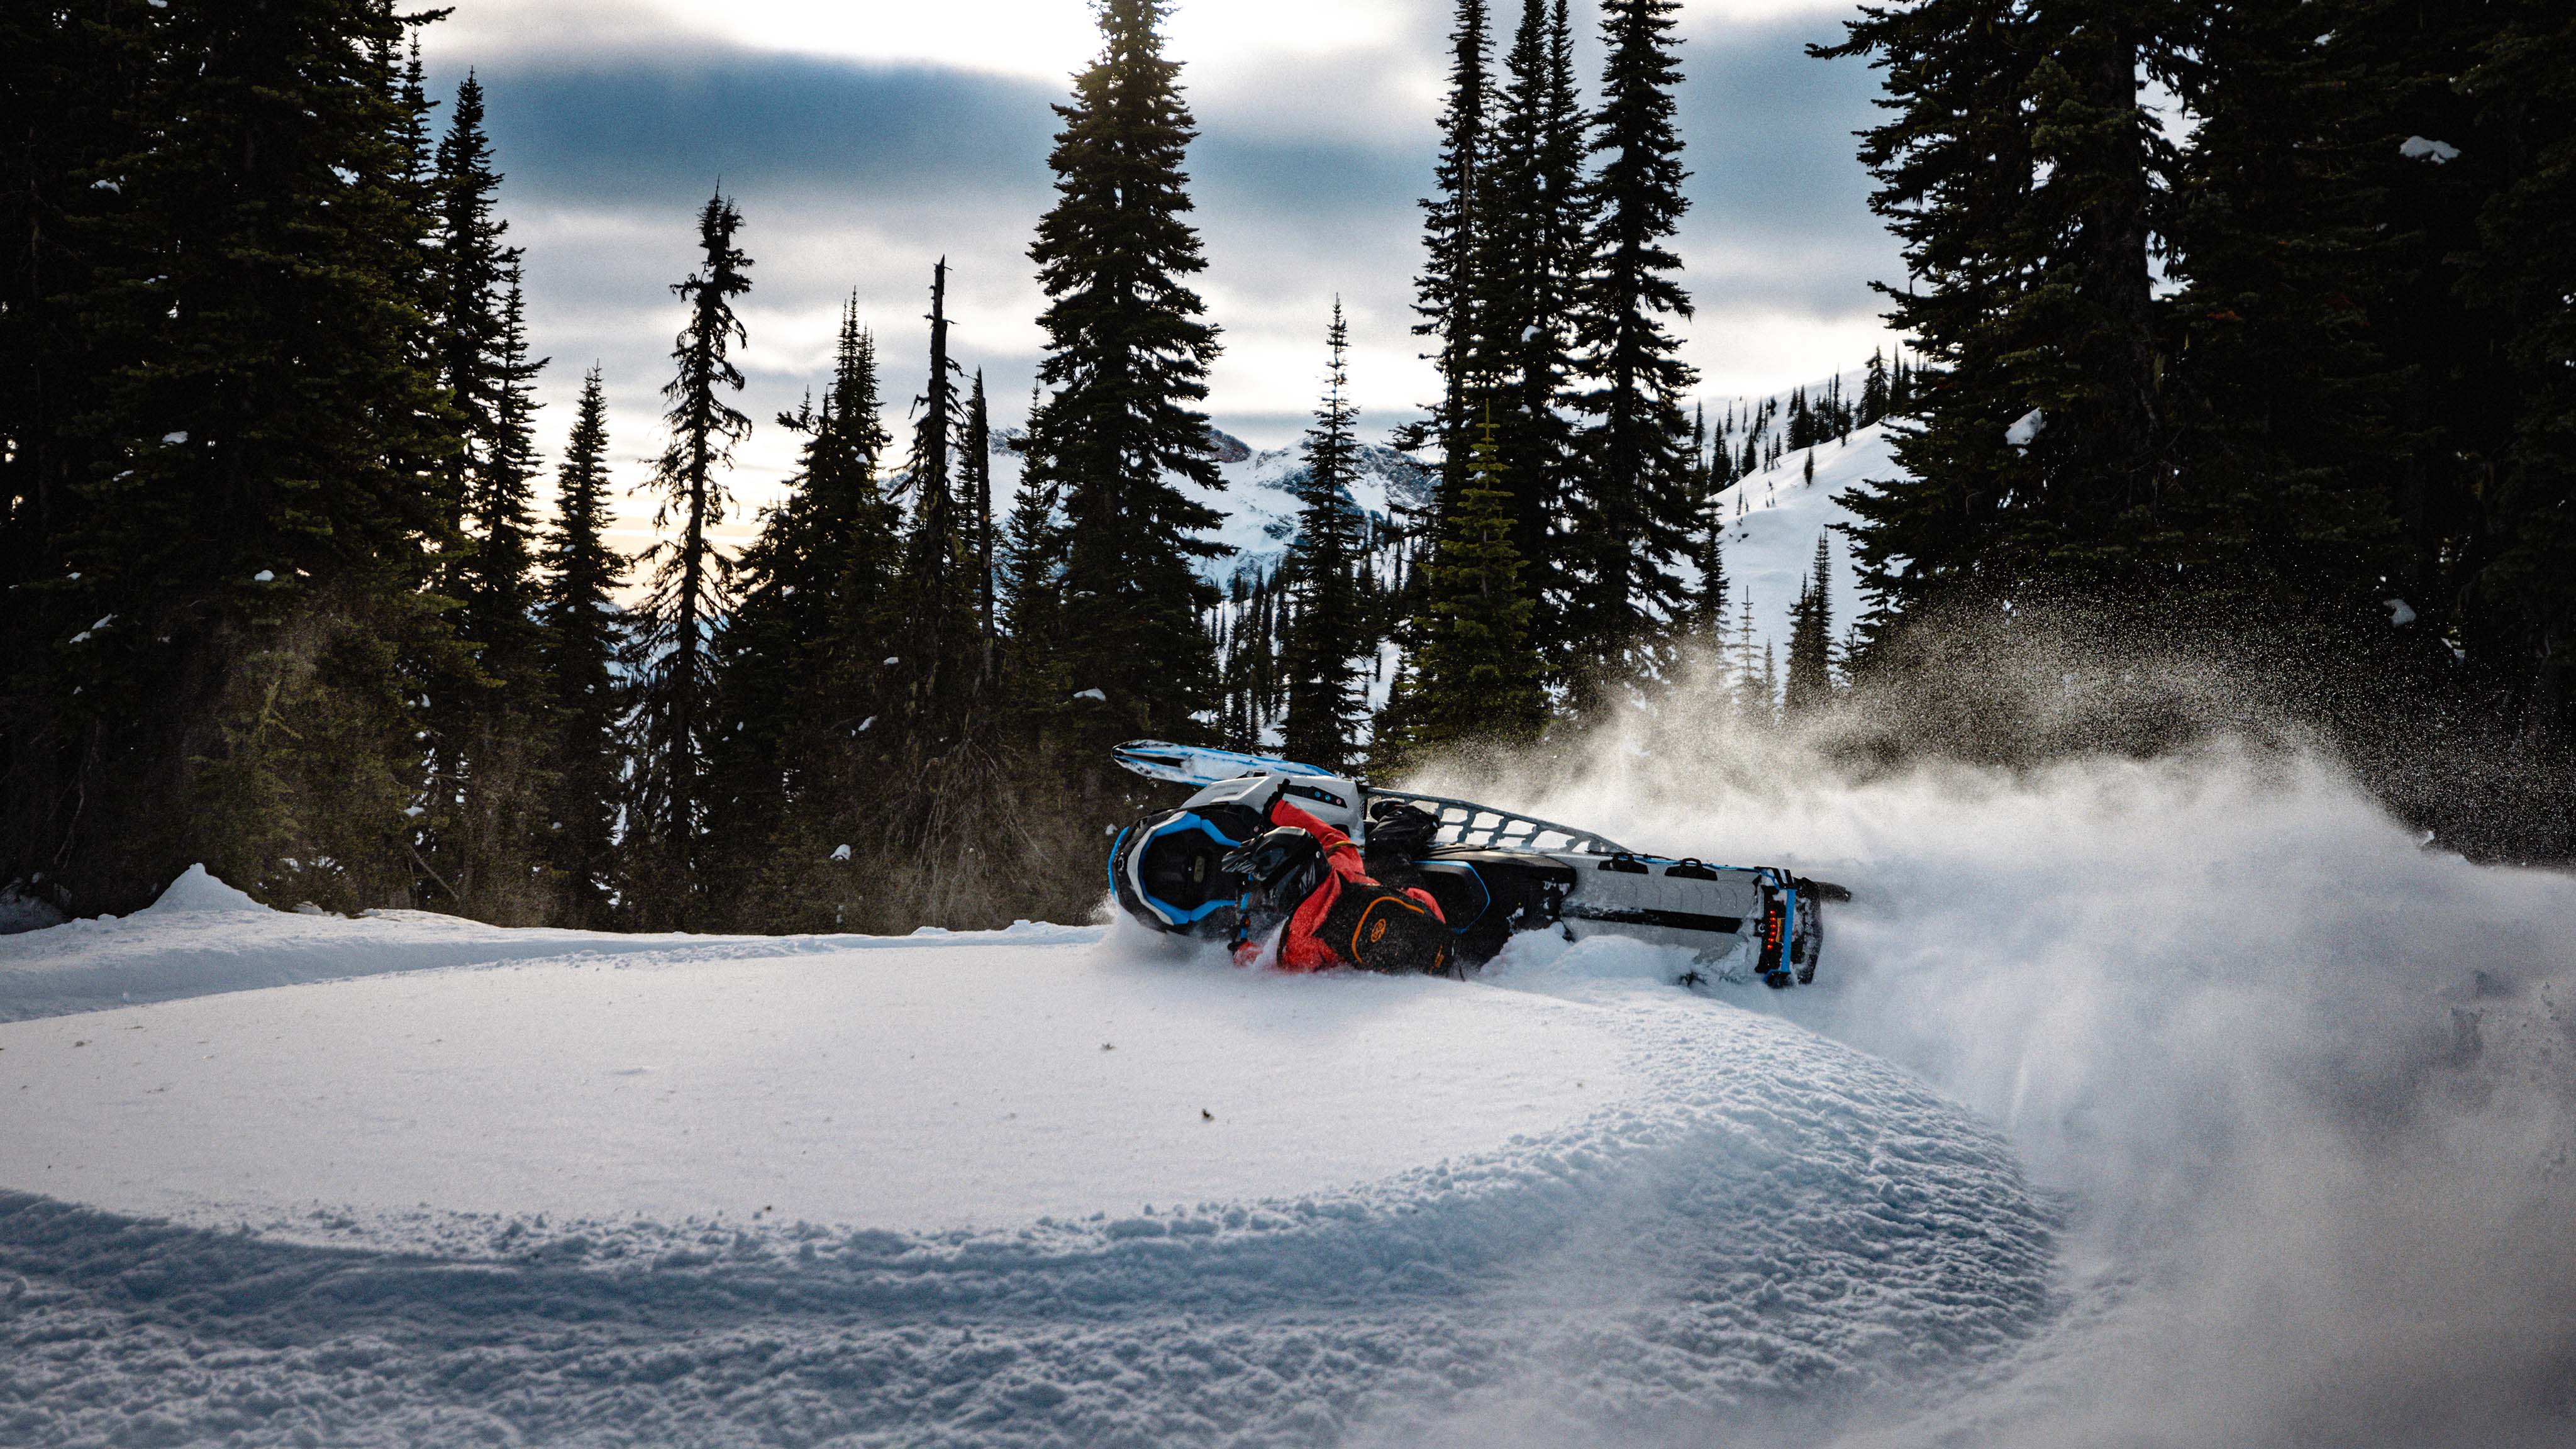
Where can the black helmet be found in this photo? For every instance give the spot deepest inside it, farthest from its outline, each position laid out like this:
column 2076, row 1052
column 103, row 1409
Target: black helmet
column 1285, row 865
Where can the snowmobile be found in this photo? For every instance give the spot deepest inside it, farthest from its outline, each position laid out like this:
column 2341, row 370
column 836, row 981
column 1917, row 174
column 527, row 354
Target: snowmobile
column 1495, row 873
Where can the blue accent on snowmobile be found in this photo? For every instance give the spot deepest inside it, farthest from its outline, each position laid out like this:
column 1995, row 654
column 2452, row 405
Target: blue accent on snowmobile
column 1463, row 927
column 1110, row 866
column 1170, row 912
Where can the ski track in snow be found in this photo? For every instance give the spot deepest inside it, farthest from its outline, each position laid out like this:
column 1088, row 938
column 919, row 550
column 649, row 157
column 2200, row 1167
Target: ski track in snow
column 1755, row 1220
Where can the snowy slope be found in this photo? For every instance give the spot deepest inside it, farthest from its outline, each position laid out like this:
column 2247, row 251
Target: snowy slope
column 1775, row 515
column 1775, row 518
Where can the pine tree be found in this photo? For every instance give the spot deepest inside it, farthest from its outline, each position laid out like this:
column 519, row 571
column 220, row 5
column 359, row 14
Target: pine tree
column 1873, row 390
column 69, row 82
column 469, row 270
column 979, row 492
column 1634, row 517
column 1749, row 695
column 675, row 672
column 1474, row 677
column 1127, row 359
column 2278, row 403
column 1322, row 650
column 2018, row 171
column 584, row 635
column 1811, row 638
column 1448, row 298
column 2521, row 601
column 1533, row 258
column 491, row 856
column 941, row 645
column 251, row 541
column 799, row 767
column 1708, row 555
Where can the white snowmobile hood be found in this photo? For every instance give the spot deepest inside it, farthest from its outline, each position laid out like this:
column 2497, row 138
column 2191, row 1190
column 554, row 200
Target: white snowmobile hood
column 1333, row 799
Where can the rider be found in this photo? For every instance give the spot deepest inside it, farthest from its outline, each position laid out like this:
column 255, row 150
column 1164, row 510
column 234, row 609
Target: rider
column 1308, row 874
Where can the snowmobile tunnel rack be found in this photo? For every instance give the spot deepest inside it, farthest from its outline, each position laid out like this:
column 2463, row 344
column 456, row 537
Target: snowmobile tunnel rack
column 1464, row 822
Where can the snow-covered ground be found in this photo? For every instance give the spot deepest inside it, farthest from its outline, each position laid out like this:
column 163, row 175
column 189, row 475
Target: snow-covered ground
column 1037, row 1186
column 2178, row 1102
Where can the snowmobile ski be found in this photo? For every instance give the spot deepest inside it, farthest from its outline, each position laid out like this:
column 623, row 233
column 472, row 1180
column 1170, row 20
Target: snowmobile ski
column 1197, row 765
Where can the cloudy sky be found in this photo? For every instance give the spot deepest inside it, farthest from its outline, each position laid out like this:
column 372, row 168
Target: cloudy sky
column 865, row 139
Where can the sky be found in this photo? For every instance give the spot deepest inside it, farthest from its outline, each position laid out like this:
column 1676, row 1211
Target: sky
column 866, row 139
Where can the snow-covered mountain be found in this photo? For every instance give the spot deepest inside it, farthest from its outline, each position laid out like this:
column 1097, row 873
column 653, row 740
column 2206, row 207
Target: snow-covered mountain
column 1260, row 511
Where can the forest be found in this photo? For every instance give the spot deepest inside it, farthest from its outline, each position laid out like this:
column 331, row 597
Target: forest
column 2237, row 393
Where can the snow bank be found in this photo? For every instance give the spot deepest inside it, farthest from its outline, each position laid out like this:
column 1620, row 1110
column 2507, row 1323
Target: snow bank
column 204, row 937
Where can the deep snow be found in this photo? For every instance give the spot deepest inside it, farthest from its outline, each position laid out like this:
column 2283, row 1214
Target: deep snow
column 2171, row 1102
column 1110, row 1193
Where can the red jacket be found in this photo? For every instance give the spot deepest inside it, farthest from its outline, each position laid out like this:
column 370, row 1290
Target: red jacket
column 1302, row 946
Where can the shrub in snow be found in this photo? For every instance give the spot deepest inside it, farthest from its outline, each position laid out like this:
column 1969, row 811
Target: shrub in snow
column 22, row 912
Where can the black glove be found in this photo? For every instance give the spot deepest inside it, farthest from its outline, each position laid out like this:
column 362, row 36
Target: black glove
column 1399, row 830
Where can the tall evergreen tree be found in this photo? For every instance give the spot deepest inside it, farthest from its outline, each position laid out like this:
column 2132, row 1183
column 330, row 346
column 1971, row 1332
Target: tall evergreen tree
column 2521, row 602
column 799, row 768
column 491, row 856
column 1324, row 645
column 2018, row 170
column 1811, row 637
column 467, row 268
column 675, row 668
column 250, row 544
column 1474, row 676
column 584, row 635
column 1126, row 361
column 1532, row 260
column 978, row 493
column 70, row 79
column 2277, row 400
column 941, row 640
column 1634, row 517
column 1707, row 603
column 1447, row 294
